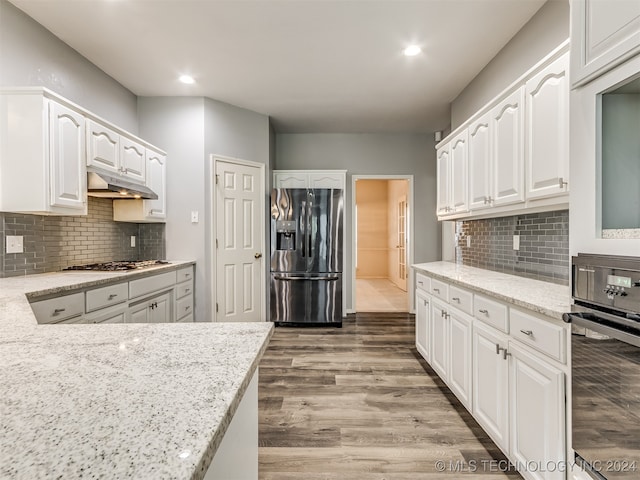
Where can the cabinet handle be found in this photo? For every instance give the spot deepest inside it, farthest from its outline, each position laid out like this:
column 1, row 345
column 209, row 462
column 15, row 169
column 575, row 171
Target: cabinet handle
column 58, row 310
column 425, row 302
column 456, row 299
column 562, row 183
column 499, row 349
column 187, row 307
column 437, row 290
column 153, row 210
column 528, row 333
column 112, row 296
column 187, row 290
column 505, row 354
column 486, row 312
column 420, row 283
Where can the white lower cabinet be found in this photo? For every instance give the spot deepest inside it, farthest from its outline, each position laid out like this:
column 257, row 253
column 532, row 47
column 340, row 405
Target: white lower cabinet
column 155, row 309
column 423, row 335
column 506, row 366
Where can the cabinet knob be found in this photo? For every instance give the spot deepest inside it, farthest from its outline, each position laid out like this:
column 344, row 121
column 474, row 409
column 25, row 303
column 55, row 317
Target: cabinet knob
column 112, row 296
column 528, row 333
column 456, row 299
column 58, row 310
column 486, row 312
column 437, row 290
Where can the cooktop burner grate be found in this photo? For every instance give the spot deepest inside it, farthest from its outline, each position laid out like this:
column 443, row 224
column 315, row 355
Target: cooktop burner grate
column 118, row 266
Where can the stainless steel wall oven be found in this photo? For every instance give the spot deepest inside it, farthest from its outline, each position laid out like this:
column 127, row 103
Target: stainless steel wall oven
column 605, row 354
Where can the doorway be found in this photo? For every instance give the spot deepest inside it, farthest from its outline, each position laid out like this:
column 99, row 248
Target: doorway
column 382, row 234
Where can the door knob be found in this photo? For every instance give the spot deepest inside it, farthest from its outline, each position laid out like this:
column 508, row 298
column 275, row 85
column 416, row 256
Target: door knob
column 258, row 255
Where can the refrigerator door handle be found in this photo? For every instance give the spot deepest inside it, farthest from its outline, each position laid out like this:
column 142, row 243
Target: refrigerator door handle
column 305, row 279
column 303, row 227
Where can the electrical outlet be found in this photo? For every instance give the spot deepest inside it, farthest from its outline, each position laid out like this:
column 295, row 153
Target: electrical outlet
column 516, row 242
column 468, row 241
column 133, row 240
column 194, row 217
column 15, row 244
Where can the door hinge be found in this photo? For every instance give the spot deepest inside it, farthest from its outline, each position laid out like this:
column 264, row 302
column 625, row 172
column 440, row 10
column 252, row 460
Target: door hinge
column 216, row 307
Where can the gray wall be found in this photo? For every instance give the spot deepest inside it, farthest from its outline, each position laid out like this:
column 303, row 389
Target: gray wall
column 373, row 154
column 30, row 55
column 548, row 28
column 190, row 129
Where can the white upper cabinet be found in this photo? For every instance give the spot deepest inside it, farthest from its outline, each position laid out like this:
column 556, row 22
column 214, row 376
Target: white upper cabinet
column 443, row 181
column 604, row 33
column 507, row 119
column 480, row 160
column 459, row 165
column 547, row 131
column 132, row 160
column 42, row 154
column 67, row 174
column 310, row 179
column 104, row 147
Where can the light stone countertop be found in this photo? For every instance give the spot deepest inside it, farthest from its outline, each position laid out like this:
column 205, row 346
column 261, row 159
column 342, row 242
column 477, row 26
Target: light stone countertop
column 115, row 400
column 546, row 298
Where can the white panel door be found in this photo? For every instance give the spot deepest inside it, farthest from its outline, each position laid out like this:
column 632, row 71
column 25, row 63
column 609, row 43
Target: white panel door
column 132, row 160
column 443, row 181
column 67, row 157
column 459, row 166
column 507, row 127
column 460, row 358
column 490, row 381
column 423, row 334
column 547, row 131
column 480, row 164
column 104, row 147
column 239, row 244
column 537, row 413
column 440, row 339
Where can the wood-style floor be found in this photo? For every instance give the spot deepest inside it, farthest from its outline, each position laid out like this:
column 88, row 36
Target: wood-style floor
column 380, row 295
column 360, row 403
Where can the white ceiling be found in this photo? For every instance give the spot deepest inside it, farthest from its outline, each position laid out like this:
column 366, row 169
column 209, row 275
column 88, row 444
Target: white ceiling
column 312, row 65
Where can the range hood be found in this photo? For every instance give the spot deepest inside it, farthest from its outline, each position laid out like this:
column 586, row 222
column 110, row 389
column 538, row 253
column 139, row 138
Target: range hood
column 105, row 185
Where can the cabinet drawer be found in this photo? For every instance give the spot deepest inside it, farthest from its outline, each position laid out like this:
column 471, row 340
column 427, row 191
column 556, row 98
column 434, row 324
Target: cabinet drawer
column 461, row 299
column 185, row 274
column 491, row 313
column 151, row 284
column 183, row 289
column 187, row 319
column 184, row 307
column 57, row 309
column 106, row 296
column 115, row 314
column 423, row 282
column 540, row 334
column 439, row 289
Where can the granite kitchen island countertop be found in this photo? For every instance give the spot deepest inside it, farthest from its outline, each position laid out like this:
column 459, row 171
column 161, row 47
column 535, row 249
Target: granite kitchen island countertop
column 115, row 400
column 546, row 298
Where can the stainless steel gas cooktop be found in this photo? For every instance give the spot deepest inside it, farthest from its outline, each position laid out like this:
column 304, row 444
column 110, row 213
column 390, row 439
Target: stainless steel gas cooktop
column 119, row 265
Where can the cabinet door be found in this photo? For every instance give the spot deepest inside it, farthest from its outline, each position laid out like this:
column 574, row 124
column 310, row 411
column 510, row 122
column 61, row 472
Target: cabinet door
column 423, row 336
column 162, row 308
column 132, row 160
column 460, row 358
column 480, row 164
column 156, row 181
column 547, row 131
column 507, row 120
column 459, row 164
column 537, row 413
column 440, row 339
column 326, row 180
column 603, row 35
column 290, row 180
column 490, row 381
column 67, row 157
column 443, row 179
column 104, row 147
column 139, row 313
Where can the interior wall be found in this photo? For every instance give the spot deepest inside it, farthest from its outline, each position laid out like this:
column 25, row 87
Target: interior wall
column 547, row 29
column 372, row 229
column 30, row 55
column 396, row 190
column 373, row 154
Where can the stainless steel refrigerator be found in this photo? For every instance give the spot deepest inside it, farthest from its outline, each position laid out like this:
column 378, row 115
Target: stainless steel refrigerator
column 306, row 256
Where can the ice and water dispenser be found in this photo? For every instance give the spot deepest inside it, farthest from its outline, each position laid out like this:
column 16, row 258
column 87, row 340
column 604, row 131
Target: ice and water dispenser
column 285, row 235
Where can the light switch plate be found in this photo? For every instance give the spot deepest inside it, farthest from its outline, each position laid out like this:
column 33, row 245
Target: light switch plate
column 133, row 240
column 468, row 241
column 516, row 242
column 194, row 217
column 15, row 244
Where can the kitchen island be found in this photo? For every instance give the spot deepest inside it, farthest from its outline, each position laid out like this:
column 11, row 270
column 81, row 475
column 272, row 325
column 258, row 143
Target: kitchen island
column 117, row 400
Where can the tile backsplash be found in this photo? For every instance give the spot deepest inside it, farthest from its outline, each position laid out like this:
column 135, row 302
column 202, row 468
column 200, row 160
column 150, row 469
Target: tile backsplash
column 52, row 242
column 544, row 245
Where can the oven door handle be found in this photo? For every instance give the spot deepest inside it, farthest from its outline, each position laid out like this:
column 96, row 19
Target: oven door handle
column 621, row 335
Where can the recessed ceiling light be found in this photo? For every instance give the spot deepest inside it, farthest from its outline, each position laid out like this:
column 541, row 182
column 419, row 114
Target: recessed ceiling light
column 412, row 50
column 188, row 79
